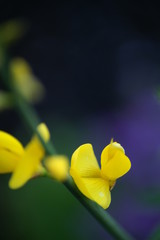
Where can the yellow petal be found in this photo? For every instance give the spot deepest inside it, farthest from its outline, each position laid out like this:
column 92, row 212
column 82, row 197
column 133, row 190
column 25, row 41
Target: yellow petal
column 35, row 145
column 84, row 162
column 25, row 170
column 11, row 144
column 8, row 161
column 109, row 151
column 58, row 167
column 96, row 189
column 114, row 162
column 34, row 153
column 11, row 152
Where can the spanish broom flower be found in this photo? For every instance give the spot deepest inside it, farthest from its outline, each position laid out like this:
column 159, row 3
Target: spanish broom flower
column 96, row 183
column 22, row 162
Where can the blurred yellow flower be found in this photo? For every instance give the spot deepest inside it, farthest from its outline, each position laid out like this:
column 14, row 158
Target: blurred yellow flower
column 25, row 81
column 96, row 183
column 11, row 31
column 58, row 167
column 22, row 162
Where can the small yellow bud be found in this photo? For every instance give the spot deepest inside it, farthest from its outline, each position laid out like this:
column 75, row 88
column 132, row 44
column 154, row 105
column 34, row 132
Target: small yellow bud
column 43, row 131
column 58, row 166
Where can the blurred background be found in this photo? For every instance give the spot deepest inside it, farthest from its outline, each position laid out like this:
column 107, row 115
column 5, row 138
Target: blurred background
column 100, row 64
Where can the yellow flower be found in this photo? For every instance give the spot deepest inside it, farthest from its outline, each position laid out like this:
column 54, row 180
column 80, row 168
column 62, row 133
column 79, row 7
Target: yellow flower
column 22, row 162
column 96, row 183
column 25, row 81
column 58, row 166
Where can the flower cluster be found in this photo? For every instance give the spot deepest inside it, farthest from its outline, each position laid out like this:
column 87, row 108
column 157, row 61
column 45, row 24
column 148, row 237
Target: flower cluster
column 95, row 183
column 25, row 162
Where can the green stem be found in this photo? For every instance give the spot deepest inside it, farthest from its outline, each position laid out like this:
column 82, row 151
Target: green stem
column 99, row 213
column 31, row 119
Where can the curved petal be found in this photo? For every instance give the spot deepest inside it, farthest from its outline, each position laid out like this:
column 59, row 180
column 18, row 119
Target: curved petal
column 10, row 144
column 11, row 152
column 8, row 161
column 96, row 189
column 109, row 151
column 117, row 166
column 35, row 144
column 25, row 170
column 84, row 162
